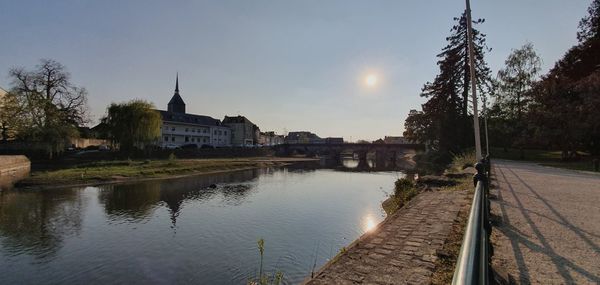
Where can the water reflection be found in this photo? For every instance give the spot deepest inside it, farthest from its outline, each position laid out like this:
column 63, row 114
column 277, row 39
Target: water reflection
column 39, row 222
column 369, row 223
column 137, row 201
column 200, row 229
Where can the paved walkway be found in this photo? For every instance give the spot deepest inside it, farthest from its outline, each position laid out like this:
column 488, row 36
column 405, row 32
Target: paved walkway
column 549, row 231
column 402, row 249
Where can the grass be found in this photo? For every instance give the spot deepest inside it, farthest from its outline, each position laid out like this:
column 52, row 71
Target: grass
column 447, row 257
column 463, row 160
column 132, row 169
column 263, row 278
column 545, row 157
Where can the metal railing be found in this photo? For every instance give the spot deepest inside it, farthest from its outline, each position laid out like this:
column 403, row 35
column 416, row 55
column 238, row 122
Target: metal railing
column 473, row 264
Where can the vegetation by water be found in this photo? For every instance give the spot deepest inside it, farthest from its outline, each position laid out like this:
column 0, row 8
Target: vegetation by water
column 263, row 278
column 132, row 169
column 404, row 191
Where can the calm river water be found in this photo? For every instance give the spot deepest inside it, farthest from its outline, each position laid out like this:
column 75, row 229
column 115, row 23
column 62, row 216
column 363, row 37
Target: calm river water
column 185, row 231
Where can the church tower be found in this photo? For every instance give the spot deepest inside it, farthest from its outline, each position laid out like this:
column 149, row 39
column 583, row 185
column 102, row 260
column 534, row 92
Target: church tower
column 176, row 104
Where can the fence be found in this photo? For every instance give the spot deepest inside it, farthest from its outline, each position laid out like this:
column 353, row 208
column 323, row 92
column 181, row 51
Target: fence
column 473, row 265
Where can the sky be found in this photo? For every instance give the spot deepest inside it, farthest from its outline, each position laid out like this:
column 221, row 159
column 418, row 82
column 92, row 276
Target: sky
column 285, row 65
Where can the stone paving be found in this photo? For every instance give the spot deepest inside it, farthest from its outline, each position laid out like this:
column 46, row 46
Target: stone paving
column 402, row 250
column 548, row 229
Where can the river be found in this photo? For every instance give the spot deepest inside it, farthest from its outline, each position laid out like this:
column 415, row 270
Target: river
column 199, row 229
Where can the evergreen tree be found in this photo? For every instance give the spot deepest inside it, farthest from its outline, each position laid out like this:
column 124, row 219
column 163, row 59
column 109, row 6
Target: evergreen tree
column 446, row 112
column 589, row 26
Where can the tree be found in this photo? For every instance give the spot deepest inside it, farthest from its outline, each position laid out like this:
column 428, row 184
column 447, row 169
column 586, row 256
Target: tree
column 521, row 70
column 9, row 111
column 48, row 107
column 589, row 26
column 418, row 128
column 445, row 121
column 566, row 102
column 134, row 124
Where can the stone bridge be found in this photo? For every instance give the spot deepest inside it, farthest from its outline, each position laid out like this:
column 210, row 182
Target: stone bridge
column 384, row 154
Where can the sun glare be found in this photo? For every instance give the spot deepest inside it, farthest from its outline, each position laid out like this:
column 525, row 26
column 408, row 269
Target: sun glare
column 371, row 80
column 369, row 224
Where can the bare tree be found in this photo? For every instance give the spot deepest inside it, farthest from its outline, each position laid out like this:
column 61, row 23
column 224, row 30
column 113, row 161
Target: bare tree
column 49, row 106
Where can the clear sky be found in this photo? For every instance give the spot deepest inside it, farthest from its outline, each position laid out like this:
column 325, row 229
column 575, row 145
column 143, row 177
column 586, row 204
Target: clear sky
column 295, row 65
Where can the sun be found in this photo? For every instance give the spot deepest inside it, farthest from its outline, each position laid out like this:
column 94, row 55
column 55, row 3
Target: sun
column 371, row 80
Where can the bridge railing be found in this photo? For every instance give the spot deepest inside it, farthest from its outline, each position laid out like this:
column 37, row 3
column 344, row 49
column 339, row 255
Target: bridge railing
column 473, row 264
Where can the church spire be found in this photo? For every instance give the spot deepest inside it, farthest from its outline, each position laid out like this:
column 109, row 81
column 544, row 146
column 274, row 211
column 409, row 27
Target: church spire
column 177, row 83
column 176, row 104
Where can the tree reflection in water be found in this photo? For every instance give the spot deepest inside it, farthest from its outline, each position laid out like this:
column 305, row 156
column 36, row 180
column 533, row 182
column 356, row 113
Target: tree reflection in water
column 38, row 222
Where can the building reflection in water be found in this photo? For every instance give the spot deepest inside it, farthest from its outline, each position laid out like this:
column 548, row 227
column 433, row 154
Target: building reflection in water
column 137, row 201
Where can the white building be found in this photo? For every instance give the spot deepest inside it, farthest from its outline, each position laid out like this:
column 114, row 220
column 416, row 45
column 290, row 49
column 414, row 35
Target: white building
column 180, row 128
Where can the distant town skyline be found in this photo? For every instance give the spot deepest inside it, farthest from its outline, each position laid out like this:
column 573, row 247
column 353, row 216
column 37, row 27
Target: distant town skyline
column 337, row 68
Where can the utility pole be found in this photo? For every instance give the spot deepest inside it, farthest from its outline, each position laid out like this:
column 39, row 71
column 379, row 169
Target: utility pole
column 485, row 125
column 473, row 82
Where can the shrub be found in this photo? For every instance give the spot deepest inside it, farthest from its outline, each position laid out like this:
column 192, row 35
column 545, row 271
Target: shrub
column 463, row 160
column 404, row 191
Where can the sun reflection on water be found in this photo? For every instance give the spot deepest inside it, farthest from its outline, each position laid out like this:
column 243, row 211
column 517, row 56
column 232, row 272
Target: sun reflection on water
column 369, row 223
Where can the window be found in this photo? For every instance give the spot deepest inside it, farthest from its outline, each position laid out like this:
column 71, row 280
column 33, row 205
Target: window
column 187, row 139
column 193, row 139
column 220, row 133
column 215, row 132
column 172, row 139
column 224, row 132
column 166, row 139
column 173, row 129
column 205, row 131
column 186, row 130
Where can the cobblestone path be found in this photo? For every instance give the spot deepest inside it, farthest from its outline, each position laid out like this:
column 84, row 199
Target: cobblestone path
column 549, row 228
column 402, row 249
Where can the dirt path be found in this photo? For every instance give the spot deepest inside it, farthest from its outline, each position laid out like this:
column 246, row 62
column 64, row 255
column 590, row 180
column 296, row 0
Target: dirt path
column 549, row 229
column 402, row 250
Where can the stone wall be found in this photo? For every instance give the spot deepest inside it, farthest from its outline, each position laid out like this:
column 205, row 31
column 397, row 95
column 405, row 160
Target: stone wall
column 12, row 169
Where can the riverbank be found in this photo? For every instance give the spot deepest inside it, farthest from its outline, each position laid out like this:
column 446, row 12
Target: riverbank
column 419, row 241
column 104, row 172
column 403, row 248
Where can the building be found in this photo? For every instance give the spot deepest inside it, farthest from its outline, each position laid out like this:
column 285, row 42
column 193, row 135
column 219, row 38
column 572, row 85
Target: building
column 243, row 131
column 395, row 140
column 334, row 140
column 270, row 139
column 180, row 128
column 303, row 137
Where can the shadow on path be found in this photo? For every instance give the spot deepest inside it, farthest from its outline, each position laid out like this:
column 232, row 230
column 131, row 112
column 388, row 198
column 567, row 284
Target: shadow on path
column 517, row 237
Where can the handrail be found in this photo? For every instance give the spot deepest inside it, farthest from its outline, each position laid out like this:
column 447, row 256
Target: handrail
column 473, row 264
